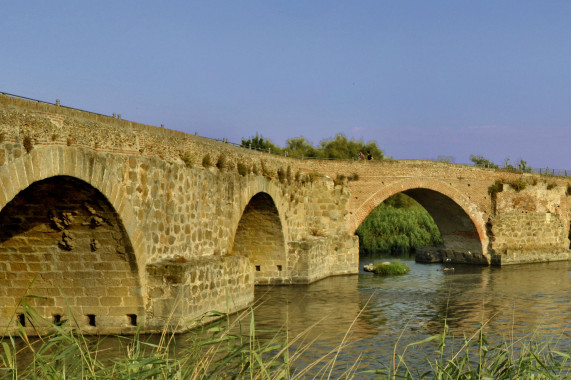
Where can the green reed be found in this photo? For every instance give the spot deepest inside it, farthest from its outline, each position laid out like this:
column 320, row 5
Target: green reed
column 225, row 348
column 233, row 348
column 528, row 358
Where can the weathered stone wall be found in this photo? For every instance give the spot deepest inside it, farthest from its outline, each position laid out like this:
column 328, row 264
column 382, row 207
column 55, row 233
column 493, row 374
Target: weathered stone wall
column 317, row 258
column 181, row 295
column 530, row 225
column 62, row 241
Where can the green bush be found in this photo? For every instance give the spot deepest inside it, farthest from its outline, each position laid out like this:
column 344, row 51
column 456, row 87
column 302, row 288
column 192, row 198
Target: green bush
column 396, row 226
column 497, row 187
column 518, row 185
column 389, row 269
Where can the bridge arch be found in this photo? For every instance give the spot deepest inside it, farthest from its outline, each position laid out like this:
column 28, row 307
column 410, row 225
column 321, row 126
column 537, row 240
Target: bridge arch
column 73, row 221
column 460, row 223
column 260, row 236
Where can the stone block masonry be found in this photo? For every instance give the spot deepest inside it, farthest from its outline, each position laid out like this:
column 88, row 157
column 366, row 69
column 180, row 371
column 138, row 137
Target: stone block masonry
column 128, row 226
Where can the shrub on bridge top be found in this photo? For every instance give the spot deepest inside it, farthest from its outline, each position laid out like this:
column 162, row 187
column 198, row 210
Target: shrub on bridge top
column 518, row 185
column 482, row 162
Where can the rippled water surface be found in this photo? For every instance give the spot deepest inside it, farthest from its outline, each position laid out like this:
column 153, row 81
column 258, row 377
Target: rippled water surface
column 513, row 302
column 373, row 313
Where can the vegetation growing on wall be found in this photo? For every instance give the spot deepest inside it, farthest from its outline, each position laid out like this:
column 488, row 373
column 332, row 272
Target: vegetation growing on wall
column 398, row 225
column 28, row 144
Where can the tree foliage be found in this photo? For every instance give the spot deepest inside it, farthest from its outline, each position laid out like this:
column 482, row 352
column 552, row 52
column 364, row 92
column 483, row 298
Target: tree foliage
column 482, row 162
column 398, row 225
column 300, row 147
column 260, row 143
column 340, row 147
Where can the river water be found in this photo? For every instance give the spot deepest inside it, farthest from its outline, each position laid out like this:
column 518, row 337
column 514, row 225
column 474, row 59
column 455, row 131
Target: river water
column 376, row 315
column 514, row 302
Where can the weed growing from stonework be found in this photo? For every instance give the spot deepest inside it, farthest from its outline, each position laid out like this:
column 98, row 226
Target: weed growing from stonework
column 353, row 177
column 312, row 176
column 28, row 144
column 206, row 160
column 281, row 175
column 255, row 169
column 222, row 162
column 187, row 159
column 242, row 169
column 497, row 187
column 339, row 180
column 518, row 185
column 551, row 185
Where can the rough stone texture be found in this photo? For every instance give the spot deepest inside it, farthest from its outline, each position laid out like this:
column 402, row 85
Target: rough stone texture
column 182, row 295
column 529, row 225
column 190, row 236
column 62, row 241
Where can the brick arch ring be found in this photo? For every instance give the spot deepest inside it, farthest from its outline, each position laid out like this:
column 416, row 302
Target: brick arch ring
column 441, row 187
column 84, row 164
column 254, row 187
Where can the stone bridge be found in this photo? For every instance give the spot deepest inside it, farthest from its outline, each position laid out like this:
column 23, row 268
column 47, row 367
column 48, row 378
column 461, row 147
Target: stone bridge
column 127, row 226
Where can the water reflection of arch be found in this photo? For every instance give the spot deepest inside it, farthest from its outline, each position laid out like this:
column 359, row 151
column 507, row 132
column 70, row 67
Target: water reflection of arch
column 458, row 219
column 260, row 236
column 66, row 240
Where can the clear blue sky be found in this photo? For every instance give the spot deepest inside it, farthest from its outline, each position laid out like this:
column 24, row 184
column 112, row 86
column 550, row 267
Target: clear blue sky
column 422, row 78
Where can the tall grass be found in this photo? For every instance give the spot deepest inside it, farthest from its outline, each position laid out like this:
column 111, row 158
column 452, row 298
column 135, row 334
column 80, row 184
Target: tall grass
column 530, row 358
column 219, row 352
column 226, row 348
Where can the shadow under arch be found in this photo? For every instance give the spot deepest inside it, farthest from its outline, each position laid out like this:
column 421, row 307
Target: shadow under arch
column 63, row 234
column 462, row 228
column 260, row 237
